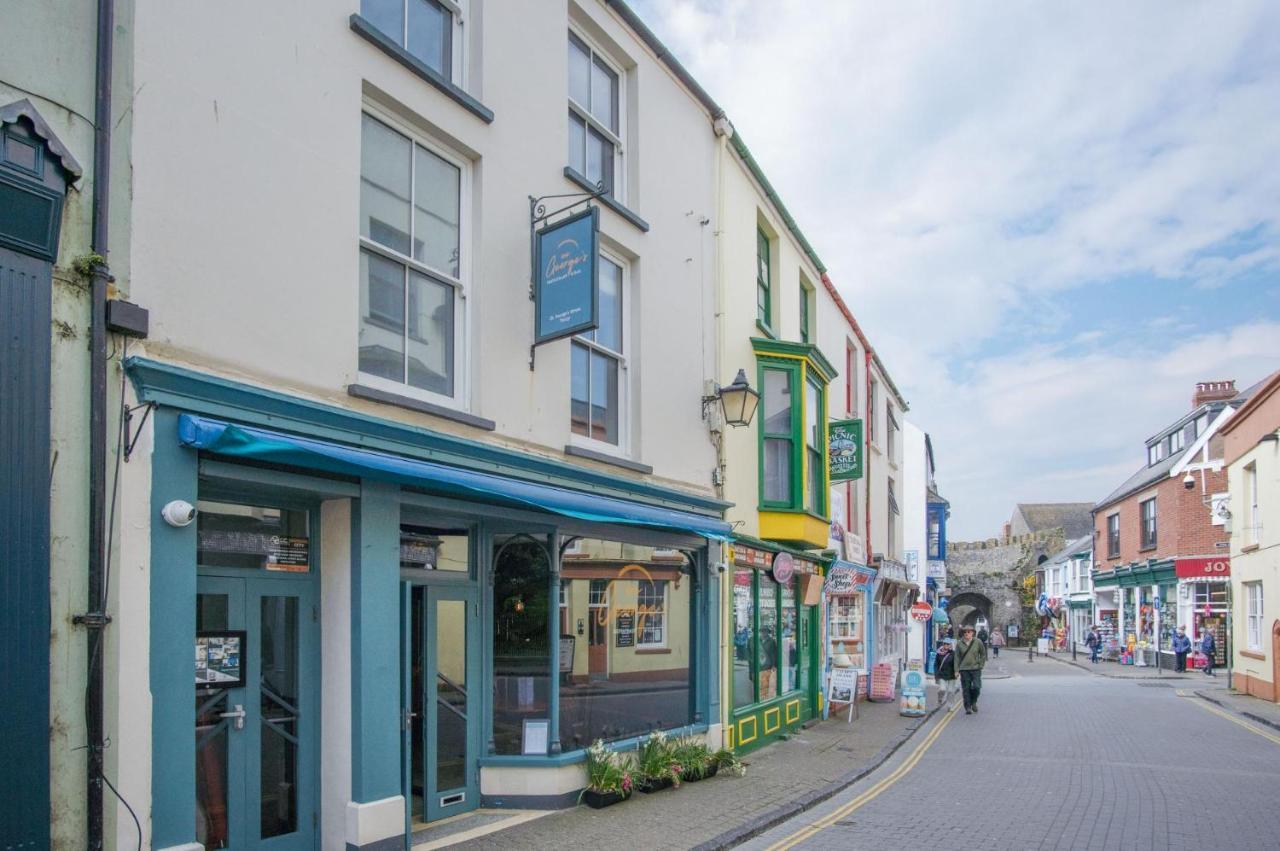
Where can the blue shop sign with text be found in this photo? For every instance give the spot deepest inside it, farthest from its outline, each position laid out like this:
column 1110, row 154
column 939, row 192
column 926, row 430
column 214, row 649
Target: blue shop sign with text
column 566, row 288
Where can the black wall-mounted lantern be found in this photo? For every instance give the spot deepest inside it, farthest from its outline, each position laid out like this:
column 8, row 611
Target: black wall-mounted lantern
column 738, row 401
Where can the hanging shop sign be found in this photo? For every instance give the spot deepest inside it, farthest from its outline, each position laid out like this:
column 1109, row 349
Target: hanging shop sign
column 566, row 280
column 922, row 611
column 1205, row 567
column 844, row 450
column 846, row 578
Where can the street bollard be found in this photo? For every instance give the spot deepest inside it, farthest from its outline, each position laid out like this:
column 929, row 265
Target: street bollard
column 1030, row 649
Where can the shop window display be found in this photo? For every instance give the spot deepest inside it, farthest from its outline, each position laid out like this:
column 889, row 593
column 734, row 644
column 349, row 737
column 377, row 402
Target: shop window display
column 846, row 628
column 521, row 649
column 743, row 636
column 625, row 641
column 767, row 648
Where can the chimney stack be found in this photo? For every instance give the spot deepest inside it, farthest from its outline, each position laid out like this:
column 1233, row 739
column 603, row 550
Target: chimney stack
column 1213, row 391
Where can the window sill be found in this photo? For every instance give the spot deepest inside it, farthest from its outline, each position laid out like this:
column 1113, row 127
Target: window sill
column 580, row 755
column 373, row 394
column 370, row 33
column 606, row 458
column 652, row 651
column 1250, row 548
column 1147, row 549
column 766, row 330
column 587, row 186
column 1254, row 654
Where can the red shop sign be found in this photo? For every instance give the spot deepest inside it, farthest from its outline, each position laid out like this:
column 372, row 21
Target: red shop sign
column 1199, row 568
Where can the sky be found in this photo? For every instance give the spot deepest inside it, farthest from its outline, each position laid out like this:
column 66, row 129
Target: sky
column 1051, row 219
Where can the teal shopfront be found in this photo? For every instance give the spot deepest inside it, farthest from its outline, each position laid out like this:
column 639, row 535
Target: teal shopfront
column 394, row 626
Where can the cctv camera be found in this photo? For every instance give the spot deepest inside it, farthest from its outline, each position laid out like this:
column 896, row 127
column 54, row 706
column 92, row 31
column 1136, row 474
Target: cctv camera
column 1188, row 481
column 178, row 513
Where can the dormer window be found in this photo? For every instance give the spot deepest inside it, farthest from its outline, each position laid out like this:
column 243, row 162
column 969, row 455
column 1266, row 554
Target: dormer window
column 1155, row 453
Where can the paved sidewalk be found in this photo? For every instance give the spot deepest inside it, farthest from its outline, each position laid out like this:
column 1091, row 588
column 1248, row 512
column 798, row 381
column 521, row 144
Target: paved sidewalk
column 1246, row 705
column 1116, row 671
column 782, row 780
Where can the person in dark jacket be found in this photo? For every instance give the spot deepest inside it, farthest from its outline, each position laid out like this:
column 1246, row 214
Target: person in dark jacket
column 1094, row 642
column 1208, row 647
column 971, row 657
column 1181, row 647
column 983, row 636
column 944, row 672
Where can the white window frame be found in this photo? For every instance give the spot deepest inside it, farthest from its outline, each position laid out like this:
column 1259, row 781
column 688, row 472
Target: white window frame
column 458, row 11
column 666, row 597
column 1253, row 616
column 873, row 400
column 622, row 449
column 1251, row 525
column 461, row 398
column 618, row 139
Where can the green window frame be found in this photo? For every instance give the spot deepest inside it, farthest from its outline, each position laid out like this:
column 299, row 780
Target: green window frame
column 794, row 435
column 764, row 280
column 754, row 646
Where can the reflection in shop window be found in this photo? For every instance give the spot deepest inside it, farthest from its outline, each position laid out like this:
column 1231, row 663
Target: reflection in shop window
column 743, row 637
column 768, row 639
column 521, row 649
column 626, row 637
column 252, row 536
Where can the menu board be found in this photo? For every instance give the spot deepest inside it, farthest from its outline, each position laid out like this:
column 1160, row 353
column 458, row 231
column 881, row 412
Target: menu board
column 624, row 628
column 288, row 554
column 882, row 681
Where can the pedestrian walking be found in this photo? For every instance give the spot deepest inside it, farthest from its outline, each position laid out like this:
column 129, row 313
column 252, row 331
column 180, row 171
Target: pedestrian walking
column 944, row 672
column 971, row 656
column 997, row 641
column 1208, row 647
column 983, row 636
column 1094, row 642
column 1181, row 647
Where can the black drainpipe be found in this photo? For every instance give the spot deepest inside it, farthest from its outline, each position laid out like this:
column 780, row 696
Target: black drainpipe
column 96, row 619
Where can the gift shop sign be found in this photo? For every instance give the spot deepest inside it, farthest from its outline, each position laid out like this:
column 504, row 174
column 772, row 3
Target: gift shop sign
column 1206, row 567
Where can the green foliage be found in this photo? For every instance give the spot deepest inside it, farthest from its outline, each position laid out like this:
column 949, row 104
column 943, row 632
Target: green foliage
column 729, row 762
column 655, row 759
column 608, row 771
column 692, row 755
column 85, row 263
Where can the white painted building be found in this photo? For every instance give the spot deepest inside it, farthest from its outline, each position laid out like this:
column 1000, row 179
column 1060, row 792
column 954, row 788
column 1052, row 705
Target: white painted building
column 915, row 494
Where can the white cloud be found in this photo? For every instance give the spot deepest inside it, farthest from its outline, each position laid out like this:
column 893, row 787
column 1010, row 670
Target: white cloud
column 975, row 164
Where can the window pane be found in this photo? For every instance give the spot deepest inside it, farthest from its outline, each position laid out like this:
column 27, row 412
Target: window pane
column 279, row 718
column 813, row 476
column 789, row 649
column 609, row 334
column 743, row 638
column 521, row 651
column 579, row 72
column 252, row 536
column 384, row 185
column 452, row 704
column 618, row 597
column 430, row 35
column 434, row 548
column 577, row 144
column 386, row 15
column 768, row 643
column 777, row 402
column 777, row 470
column 382, row 317
column 430, row 334
column 436, row 212
column 812, row 408
column 604, row 95
column 579, row 387
column 599, row 160
column 604, row 398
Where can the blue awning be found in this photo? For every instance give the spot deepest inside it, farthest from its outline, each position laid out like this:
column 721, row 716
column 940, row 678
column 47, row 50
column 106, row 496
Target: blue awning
column 239, row 441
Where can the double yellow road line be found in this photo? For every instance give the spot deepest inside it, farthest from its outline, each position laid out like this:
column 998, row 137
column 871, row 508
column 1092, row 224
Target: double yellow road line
column 1204, row 704
column 869, row 795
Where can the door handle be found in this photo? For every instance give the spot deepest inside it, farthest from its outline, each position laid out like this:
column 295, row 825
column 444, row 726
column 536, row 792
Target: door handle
column 407, row 717
column 237, row 714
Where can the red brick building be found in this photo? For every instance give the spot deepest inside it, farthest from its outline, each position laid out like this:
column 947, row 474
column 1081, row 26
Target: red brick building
column 1160, row 550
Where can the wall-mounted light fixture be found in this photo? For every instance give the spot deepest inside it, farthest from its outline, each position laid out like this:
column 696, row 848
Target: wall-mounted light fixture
column 738, row 401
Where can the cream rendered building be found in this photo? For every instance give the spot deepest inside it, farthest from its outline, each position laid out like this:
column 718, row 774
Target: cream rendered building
column 1252, row 455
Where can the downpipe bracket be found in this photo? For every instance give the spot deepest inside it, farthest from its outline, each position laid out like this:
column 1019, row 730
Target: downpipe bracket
column 92, row 620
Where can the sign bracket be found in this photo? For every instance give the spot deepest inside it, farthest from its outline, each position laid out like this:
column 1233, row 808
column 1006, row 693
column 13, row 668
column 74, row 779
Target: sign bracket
column 538, row 215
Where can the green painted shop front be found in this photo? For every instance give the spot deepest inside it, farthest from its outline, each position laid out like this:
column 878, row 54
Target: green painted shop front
column 774, row 663
column 486, row 626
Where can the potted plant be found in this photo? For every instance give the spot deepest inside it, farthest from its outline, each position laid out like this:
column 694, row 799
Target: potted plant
column 609, row 779
column 656, row 764
column 726, row 759
column 694, row 758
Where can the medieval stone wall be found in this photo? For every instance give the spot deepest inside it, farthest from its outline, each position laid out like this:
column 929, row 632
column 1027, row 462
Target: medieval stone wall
column 985, row 578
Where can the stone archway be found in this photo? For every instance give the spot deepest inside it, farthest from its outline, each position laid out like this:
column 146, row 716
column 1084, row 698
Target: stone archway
column 968, row 608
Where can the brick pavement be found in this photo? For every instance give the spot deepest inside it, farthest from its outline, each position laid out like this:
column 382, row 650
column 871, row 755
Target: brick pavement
column 782, row 780
column 1060, row 760
column 1246, row 705
column 1114, row 670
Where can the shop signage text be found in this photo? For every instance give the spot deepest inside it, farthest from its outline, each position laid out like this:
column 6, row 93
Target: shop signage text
column 848, row 579
column 784, row 567
column 893, row 571
column 624, row 628
column 844, row 450
column 764, row 560
column 566, row 281
column 921, row 611
column 1200, row 568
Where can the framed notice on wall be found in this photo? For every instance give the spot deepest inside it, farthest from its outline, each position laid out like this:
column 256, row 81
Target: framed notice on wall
column 220, row 659
column 624, row 628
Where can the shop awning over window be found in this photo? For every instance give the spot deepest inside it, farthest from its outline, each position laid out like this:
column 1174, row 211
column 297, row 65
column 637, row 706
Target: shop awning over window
column 239, row 441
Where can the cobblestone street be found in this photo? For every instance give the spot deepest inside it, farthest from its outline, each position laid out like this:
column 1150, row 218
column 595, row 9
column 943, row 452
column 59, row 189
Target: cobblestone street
column 1060, row 759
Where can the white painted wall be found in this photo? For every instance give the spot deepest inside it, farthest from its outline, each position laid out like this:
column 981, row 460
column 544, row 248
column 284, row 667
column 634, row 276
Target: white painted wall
column 915, row 532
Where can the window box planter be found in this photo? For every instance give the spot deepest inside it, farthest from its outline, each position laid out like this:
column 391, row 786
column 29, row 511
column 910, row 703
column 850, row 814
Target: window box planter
column 650, row 786
column 600, row 800
column 705, row 774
